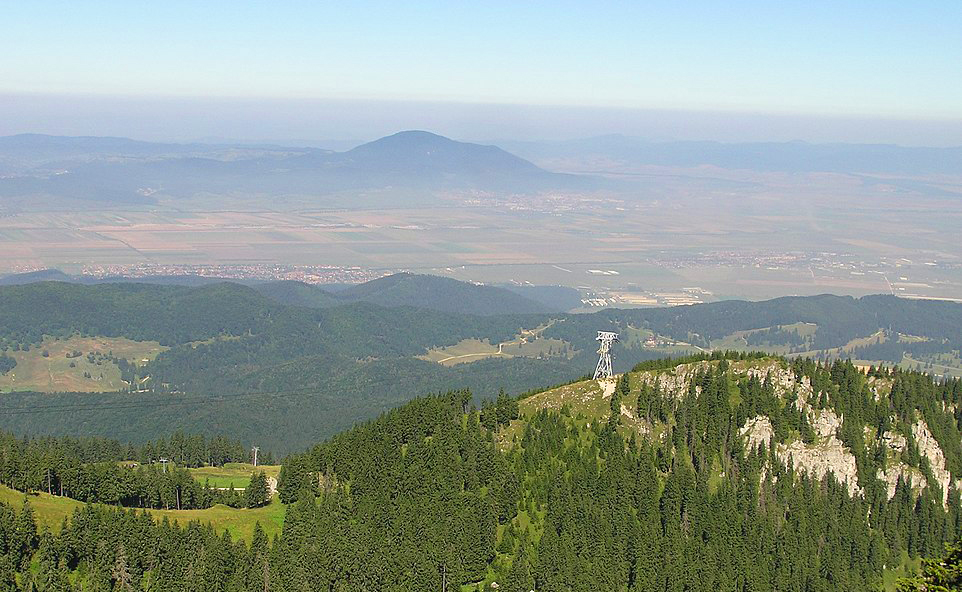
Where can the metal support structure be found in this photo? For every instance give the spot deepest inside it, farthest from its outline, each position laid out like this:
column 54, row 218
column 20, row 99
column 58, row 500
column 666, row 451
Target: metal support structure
column 606, row 339
column 255, row 450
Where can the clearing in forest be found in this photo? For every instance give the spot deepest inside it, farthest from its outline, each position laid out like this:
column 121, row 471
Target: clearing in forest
column 527, row 344
column 50, row 510
column 237, row 475
column 76, row 364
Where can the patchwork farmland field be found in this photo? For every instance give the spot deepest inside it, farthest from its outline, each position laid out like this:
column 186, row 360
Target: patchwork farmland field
column 786, row 234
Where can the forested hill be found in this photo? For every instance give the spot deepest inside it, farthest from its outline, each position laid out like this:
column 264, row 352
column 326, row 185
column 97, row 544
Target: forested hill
column 229, row 359
column 445, row 294
column 414, row 290
column 722, row 472
column 400, row 289
column 660, row 483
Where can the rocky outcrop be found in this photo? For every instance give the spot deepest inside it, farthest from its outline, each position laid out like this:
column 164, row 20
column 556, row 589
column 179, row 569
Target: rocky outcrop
column 608, row 387
column 879, row 386
column 674, row 383
column 758, row 431
column 784, row 382
column 827, row 456
column 894, row 441
column 930, row 449
column 890, row 476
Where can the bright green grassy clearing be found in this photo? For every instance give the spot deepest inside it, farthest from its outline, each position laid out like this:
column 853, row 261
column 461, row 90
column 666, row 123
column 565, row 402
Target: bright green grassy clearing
column 50, row 511
column 240, row 522
column 236, row 474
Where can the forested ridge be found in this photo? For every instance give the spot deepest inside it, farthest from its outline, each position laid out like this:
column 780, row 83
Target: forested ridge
column 839, row 319
column 332, row 366
column 440, row 493
column 579, row 508
column 178, row 315
column 441, row 293
column 175, row 315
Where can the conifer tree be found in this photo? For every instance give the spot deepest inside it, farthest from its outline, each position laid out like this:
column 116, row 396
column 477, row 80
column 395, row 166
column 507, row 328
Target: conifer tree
column 257, row 576
column 120, row 573
column 257, row 493
column 938, row 575
column 8, row 574
column 25, row 538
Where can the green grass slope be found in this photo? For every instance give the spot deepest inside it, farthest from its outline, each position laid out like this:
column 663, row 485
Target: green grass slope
column 50, row 511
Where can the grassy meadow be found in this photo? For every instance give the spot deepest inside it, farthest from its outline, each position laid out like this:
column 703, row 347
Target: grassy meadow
column 50, row 511
column 237, row 475
column 55, row 372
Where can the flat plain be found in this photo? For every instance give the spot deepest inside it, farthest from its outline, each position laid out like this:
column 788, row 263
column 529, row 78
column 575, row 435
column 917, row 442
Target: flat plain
column 727, row 233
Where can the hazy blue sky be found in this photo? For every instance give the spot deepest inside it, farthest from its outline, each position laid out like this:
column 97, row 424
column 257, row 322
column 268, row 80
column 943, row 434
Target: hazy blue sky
column 879, row 59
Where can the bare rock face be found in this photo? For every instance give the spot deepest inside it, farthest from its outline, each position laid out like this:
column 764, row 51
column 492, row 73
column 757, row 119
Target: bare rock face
column 879, row 386
column 829, row 455
column 827, row 424
column 758, row 430
column 608, row 387
column 890, row 476
column 674, row 383
column 272, row 486
column 894, row 441
column 784, row 382
column 929, row 448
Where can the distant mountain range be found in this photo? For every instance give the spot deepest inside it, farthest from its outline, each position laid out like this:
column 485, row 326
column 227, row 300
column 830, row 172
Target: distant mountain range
column 117, row 170
column 32, row 149
column 410, row 167
column 757, row 156
column 68, row 170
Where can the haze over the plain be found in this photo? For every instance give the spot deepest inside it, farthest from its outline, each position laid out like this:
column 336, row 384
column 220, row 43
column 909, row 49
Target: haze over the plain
column 647, row 153
column 739, row 71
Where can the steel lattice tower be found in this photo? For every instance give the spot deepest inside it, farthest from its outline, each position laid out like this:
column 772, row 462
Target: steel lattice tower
column 605, row 338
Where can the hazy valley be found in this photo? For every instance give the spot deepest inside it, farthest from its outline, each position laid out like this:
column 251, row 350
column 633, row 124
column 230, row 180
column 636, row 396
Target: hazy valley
column 628, row 222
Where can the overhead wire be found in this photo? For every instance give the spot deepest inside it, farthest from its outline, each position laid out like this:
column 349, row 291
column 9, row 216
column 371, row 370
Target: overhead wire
column 170, row 399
